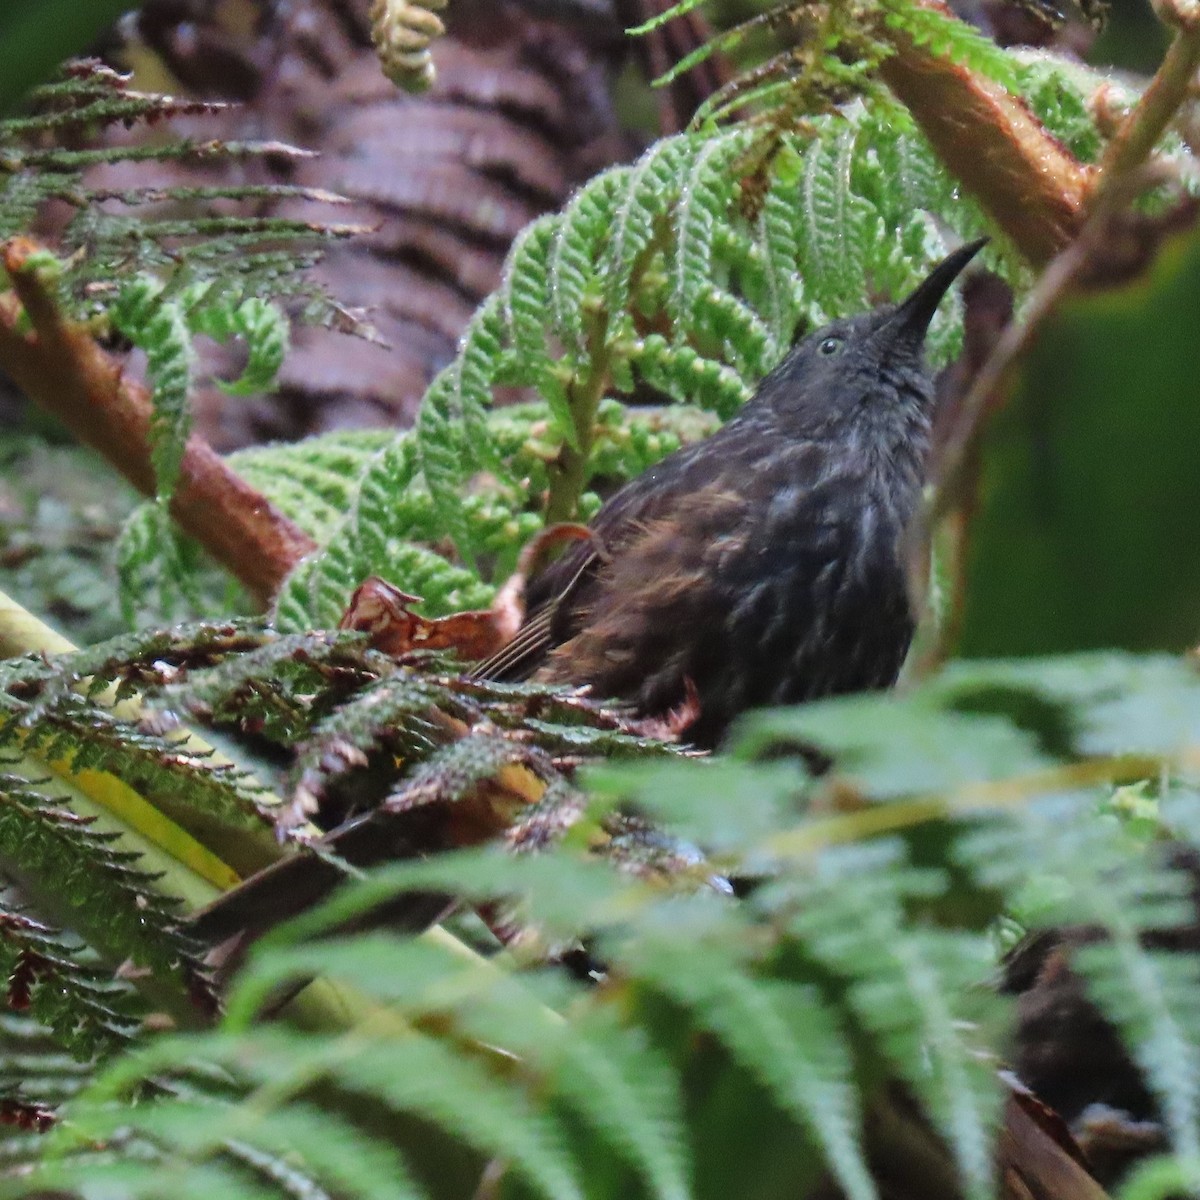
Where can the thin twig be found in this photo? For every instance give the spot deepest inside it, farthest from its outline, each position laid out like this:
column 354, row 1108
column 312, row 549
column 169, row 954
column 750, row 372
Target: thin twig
column 1159, row 103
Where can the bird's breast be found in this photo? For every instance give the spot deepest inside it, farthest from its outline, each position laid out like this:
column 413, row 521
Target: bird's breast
column 815, row 591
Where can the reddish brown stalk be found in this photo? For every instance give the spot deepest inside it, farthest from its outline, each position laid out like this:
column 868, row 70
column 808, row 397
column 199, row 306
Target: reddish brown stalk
column 59, row 365
column 1029, row 183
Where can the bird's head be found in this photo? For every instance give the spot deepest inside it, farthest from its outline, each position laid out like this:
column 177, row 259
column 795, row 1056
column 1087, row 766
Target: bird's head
column 863, row 372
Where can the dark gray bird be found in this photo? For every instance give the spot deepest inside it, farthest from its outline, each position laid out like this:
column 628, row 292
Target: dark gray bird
column 764, row 565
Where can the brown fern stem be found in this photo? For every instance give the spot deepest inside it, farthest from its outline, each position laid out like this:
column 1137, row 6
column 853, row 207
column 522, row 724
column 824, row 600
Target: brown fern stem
column 1030, row 184
column 58, row 364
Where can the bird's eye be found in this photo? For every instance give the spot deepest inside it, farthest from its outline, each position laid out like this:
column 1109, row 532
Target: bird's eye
column 829, row 346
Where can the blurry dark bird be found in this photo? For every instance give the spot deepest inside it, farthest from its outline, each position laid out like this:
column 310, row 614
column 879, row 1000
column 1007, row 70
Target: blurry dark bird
column 766, row 564
column 763, row 565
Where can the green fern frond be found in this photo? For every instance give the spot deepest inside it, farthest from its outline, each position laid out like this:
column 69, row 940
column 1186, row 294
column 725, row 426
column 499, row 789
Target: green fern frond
column 314, row 480
column 162, row 578
column 679, row 9
column 107, row 899
column 49, row 982
column 159, row 326
column 423, row 1076
column 617, row 1080
column 527, row 301
column 83, row 737
column 452, row 430
column 36, row 1076
column 275, row 686
column 951, row 39
column 702, row 202
column 453, row 772
column 609, row 1075
column 313, row 483
column 258, row 322
column 160, row 280
column 785, row 1036
column 686, row 275
column 107, row 245
column 397, row 715
column 47, row 710
column 142, row 656
column 853, row 958
column 1087, row 875
column 638, row 219
column 581, row 235
column 162, row 322
column 912, row 988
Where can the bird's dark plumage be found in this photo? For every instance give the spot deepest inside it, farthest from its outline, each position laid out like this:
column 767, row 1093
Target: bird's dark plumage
column 764, row 565
column 761, row 566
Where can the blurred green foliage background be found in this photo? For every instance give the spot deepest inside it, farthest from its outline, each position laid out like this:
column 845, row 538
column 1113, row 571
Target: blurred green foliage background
column 1087, row 534
column 36, row 35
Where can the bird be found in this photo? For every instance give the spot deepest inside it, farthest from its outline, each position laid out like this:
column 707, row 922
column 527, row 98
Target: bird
column 764, row 565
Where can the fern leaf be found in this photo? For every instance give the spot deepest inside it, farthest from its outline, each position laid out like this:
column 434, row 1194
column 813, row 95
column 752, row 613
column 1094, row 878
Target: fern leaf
column 783, row 1035
column 832, row 247
column 47, row 979
column 628, row 441
column 611, row 1077
column 39, row 1073
column 362, row 545
column 682, row 8
column 262, row 325
column 728, row 40
column 452, row 437
column 420, row 1075
column 684, row 375
column 909, row 750
column 111, row 903
column 703, row 203
column 526, row 302
column 779, row 251
column 139, row 657
column 581, row 235
column 84, row 737
column 395, row 714
column 297, row 666
column 626, row 1090
column 148, row 568
column 326, row 468
column 647, row 193
column 736, row 328
column 158, row 325
column 319, row 1148
column 905, row 982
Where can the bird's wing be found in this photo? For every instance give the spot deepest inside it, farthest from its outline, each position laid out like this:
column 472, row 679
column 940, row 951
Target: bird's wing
column 550, row 611
column 520, row 657
column 558, row 596
column 536, row 637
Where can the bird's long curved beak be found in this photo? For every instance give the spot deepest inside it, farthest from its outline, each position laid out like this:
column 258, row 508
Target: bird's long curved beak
column 912, row 316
